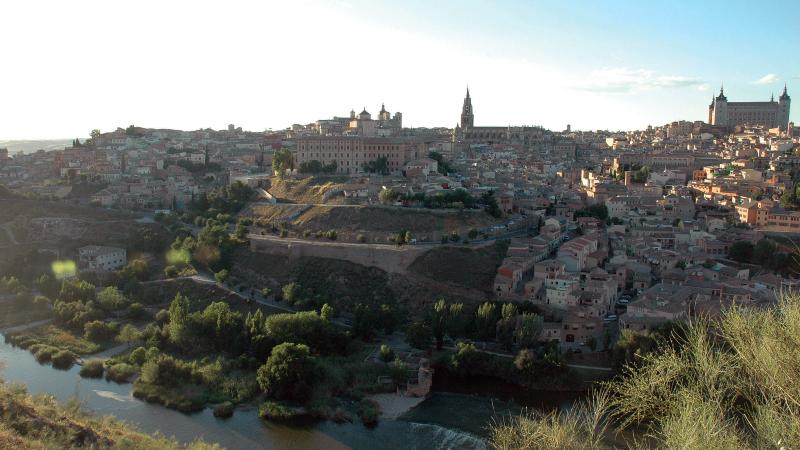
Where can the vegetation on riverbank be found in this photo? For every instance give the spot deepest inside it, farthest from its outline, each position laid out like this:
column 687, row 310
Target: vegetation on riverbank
column 40, row 423
column 728, row 383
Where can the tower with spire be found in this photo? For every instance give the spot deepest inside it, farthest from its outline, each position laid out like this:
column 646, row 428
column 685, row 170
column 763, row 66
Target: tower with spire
column 467, row 117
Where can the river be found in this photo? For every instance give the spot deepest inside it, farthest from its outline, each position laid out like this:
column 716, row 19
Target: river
column 444, row 421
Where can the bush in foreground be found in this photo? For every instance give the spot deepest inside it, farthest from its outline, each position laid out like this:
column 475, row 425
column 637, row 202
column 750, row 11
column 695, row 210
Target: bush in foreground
column 92, row 368
column 728, row 383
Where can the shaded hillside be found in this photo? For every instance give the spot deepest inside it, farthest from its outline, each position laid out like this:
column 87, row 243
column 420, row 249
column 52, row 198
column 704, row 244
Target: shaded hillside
column 470, row 268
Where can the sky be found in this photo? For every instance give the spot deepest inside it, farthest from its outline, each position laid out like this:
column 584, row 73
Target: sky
column 69, row 67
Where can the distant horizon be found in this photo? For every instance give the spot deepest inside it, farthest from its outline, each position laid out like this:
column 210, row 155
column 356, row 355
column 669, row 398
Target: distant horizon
column 621, row 65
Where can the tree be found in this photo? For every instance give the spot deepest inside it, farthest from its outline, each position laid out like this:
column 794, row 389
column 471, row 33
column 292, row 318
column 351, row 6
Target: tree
column 386, row 353
column 99, row 331
column 281, row 161
column 741, row 251
column 507, row 325
column 419, row 335
column 379, row 166
column 530, row 328
column 129, row 335
column 764, row 252
column 178, row 319
column 456, row 320
column 439, row 322
column 388, row 195
column 111, row 299
column 326, row 312
column 221, row 276
column 75, row 289
column 289, row 373
column 485, row 321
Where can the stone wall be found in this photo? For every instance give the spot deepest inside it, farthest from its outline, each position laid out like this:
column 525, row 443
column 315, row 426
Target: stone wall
column 390, row 258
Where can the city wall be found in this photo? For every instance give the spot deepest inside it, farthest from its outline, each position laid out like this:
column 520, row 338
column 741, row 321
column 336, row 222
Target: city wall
column 390, row 258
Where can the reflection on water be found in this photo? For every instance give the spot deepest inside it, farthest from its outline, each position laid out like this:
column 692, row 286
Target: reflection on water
column 445, row 421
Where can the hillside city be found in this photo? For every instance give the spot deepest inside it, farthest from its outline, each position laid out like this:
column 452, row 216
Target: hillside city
column 345, row 269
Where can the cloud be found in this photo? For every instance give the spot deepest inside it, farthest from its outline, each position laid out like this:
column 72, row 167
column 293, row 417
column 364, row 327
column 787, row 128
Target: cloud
column 620, row 80
column 767, row 79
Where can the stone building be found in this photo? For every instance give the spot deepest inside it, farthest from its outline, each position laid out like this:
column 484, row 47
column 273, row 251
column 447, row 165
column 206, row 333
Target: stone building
column 351, row 152
column 770, row 114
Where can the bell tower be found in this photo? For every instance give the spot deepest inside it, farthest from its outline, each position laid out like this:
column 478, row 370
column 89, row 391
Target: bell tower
column 467, row 118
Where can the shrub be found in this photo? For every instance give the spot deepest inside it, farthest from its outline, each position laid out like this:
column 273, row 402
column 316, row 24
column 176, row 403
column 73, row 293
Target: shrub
column 98, row 331
column 221, row 276
column 284, row 233
column 306, row 233
column 224, row 410
column 138, row 356
column 120, row 372
column 386, row 353
column 63, row 359
column 278, row 411
column 369, row 412
column 361, row 238
column 92, row 368
column 43, row 353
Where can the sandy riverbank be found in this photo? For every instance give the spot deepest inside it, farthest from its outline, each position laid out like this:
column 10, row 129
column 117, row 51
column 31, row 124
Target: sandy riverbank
column 393, row 405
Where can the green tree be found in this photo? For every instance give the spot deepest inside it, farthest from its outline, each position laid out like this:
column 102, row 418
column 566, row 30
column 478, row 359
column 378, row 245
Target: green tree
column 741, row 251
column 456, row 320
column 485, row 321
column 326, row 312
column 388, row 195
column 129, row 335
column 439, row 322
column 99, row 331
column 221, row 276
column 179, row 320
column 530, row 329
column 75, row 289
column 289, row 373
column 281, row 161
column 386, row 353
column 111, row 299
column 764, row 252
column 507, row 325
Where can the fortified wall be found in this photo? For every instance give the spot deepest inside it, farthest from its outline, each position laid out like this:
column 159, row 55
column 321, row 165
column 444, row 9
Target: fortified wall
column 390, row 258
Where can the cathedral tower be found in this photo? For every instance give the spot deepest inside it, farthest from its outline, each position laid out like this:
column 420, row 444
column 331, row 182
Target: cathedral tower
column 467, row 118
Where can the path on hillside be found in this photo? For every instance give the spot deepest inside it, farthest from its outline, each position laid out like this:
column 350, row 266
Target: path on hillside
column 10, row 234
column 27, row 326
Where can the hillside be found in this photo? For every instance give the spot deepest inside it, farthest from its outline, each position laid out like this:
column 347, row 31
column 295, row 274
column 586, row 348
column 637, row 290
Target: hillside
column 472, row 268
column 305, row 190
column 40, row 423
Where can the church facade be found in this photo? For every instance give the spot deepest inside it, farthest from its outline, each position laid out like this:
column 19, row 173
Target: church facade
column 770, row 114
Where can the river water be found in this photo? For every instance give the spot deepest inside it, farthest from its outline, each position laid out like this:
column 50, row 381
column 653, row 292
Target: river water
column 444, row 421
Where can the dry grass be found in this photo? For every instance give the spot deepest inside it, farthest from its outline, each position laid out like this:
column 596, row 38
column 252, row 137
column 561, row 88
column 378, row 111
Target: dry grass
column 40, row 422
column 734, row 383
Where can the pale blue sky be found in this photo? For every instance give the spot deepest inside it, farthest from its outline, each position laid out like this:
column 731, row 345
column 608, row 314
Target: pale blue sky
column 68, row 67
